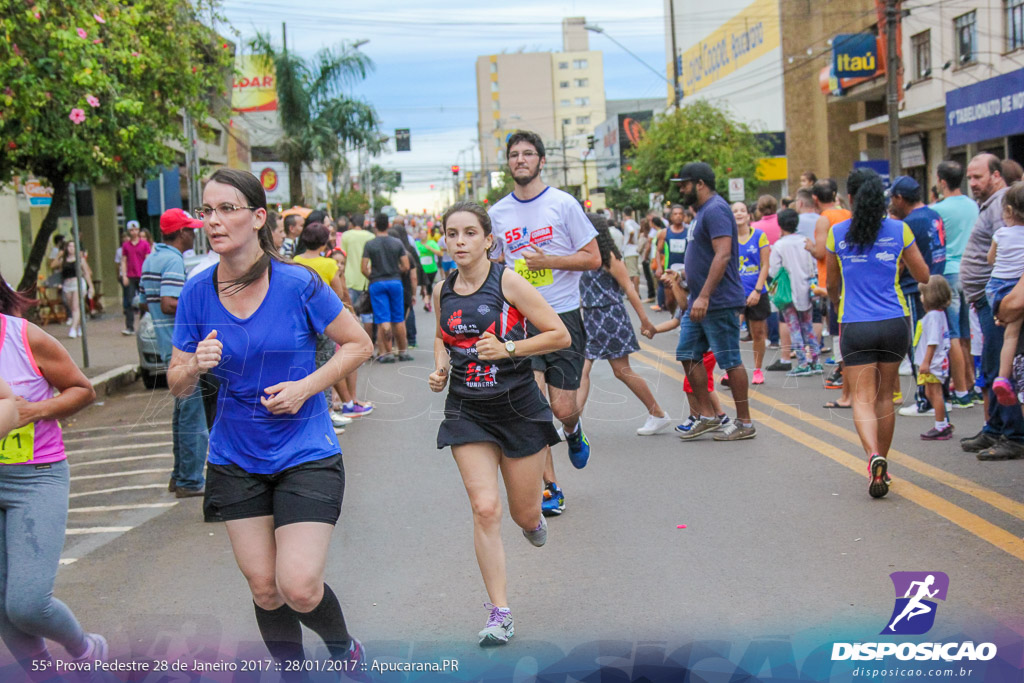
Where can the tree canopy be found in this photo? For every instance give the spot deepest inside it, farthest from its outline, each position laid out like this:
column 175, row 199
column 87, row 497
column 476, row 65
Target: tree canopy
column 94, row 89
column 696, row 132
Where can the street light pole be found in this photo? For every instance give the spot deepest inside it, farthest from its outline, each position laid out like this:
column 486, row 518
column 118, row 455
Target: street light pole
column 892, row 67
column 677, row 93
column 565, row 160
column 675, row 86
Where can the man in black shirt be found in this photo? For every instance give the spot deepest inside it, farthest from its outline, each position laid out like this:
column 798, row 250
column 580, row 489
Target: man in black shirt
column 384, row 261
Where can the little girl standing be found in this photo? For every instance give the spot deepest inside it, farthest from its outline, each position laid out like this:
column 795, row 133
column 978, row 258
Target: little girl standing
column 1007, row 257
column 931, row 354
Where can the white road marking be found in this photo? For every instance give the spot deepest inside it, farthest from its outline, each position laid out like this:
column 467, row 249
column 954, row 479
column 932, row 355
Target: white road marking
column 125, row 447
column 114, row 508
column 124, row 459
column 68, row 560
column 70, row 438
column 98, row 530
column 82, row 477
column 118, row 489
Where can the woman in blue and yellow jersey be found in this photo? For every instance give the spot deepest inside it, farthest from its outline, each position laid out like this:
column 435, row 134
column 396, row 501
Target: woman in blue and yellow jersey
column 867, row 253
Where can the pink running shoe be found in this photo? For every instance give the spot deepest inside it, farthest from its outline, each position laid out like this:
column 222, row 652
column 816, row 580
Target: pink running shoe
column 758, row 377
column 1004, row 391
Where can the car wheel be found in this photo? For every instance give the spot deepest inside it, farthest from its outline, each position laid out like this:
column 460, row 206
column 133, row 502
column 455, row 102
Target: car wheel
column 148, row 379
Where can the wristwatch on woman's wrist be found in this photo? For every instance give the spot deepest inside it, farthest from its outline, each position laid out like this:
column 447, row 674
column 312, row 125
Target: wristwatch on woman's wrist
column 510, row 346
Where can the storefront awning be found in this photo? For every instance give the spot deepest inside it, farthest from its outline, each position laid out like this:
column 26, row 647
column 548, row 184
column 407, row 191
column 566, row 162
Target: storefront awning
column 911, row 121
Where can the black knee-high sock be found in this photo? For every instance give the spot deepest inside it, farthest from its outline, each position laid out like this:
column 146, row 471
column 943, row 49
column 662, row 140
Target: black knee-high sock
column 281, row 631
column 328, row 622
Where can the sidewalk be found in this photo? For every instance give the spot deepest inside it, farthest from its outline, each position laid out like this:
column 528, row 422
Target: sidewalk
column 113, row 358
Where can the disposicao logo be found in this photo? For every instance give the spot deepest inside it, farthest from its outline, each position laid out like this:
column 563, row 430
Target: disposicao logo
column 913, row 615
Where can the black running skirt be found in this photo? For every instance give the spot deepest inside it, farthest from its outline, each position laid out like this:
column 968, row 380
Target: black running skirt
column 517, row 437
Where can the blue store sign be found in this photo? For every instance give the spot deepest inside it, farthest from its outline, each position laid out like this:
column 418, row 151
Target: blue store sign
column 855, row 55
column 991, row 109
column 879, row 166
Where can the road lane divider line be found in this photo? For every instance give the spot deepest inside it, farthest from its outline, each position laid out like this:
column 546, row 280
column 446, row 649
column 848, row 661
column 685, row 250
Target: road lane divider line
column 71, row 438
column 129, row 458
column 118, row 489
column 129, row 473
column 115, row 508
column 98, row 530
column 976, row 525
column 962, row 484
column 124, row 447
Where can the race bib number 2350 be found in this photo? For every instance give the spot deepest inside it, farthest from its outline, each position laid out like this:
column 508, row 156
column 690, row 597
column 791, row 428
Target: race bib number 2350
column 537, row 278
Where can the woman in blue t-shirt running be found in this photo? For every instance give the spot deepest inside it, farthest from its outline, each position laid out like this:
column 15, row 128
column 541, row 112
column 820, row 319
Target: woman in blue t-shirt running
column 275, row 473
column 868, row 252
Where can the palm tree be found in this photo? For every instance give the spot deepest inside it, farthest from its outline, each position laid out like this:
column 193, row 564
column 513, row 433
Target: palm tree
column 318, row 120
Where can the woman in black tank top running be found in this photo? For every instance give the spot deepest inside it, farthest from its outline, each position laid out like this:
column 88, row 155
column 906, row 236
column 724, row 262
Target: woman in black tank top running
column 496, row 418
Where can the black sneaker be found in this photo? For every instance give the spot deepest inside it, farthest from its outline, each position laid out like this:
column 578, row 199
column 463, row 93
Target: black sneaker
column 979, row 442
column 779, row 366
column 1004, row 449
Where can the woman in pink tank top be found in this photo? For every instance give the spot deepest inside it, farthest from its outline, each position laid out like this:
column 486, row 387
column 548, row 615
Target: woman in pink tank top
column 45, row 386
column 8, row 409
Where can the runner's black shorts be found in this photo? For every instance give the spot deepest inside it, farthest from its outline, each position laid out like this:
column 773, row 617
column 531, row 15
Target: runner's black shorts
column 517, row 437
column 760, row 311
column 308, row 492
column 563, row 369
column 875, row 341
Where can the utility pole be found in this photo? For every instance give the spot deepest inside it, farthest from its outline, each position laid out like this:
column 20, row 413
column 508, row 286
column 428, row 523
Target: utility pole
column 676, row 88
column 83, row 308
column 892, row 68
column 565, row 160
column 284, row 36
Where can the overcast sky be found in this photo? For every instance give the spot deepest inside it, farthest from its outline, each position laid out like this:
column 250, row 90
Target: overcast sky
column 424, row 78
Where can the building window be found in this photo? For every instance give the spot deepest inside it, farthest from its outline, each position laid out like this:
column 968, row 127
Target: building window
column 494, row 86
column 579, row 64
column 494, row 67
column 563, row 65
column 581, row 82
column 582, row 120
column 566, row 122
column 966, row 37
column 564, row 103
column 495, row 105
column 582, row 101
column 1014, row 24
column 563, row 84
column 921, row 44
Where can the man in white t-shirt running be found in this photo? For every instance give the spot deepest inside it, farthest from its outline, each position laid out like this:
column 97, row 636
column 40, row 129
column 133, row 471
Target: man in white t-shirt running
column 549, row 241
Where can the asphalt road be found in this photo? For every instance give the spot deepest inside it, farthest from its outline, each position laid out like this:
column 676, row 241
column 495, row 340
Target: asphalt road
column 781, row 538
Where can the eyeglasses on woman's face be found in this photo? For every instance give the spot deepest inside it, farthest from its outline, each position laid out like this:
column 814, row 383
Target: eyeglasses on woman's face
column 224, row 210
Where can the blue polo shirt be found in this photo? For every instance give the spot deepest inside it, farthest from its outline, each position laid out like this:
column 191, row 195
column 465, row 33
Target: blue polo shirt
column 163, row 274
column 714, row 219
column 275, row 344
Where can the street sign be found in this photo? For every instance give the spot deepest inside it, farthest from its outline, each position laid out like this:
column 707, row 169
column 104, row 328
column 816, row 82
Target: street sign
column 402, row 140
column 37, row 193
column 737, row 189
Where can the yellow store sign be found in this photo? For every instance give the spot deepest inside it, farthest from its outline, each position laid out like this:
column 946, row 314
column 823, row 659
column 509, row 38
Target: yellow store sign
column 751, row 34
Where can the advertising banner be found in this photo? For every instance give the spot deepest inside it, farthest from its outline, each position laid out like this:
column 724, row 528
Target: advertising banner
column 993, row 108
column 855, row 55
column 273, row 176
column 254, row 88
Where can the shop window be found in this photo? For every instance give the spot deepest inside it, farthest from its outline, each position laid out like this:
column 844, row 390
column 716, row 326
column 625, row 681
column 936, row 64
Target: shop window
column 966, row 26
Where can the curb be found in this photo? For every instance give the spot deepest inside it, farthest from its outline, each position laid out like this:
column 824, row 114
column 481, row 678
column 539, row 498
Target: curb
column 112, row 380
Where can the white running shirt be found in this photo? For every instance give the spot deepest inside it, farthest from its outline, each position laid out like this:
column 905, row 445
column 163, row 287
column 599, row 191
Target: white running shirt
column 934, row 330
column 631, row 231
column 553, row 221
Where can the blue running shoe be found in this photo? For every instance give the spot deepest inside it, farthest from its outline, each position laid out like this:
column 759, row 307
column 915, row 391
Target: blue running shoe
column 579, row 447
column 553, row 502
column 688, row 425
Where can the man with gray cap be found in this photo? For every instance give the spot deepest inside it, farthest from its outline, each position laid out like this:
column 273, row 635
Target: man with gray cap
column 134, row 251
column 715, row 300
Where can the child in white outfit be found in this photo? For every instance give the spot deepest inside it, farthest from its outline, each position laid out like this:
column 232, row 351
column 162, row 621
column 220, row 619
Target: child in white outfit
column 1007, row 257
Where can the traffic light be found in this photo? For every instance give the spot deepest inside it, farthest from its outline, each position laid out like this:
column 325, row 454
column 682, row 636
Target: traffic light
column 587, row 204
column 590, row 142
column 455, row 170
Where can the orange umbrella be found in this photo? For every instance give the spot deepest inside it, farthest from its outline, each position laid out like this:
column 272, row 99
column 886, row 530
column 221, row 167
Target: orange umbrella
column 297, row 211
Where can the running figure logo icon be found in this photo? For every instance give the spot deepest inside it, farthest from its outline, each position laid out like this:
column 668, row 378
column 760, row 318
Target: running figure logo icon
column 914, row 612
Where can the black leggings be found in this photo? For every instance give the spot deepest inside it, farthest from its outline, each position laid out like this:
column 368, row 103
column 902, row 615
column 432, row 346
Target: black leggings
column 876, row 341
column 651, row 289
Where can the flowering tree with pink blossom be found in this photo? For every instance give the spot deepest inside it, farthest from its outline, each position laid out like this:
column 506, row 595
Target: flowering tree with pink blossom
column 94, row 89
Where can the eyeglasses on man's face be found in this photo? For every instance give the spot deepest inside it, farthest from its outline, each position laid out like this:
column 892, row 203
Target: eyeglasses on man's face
column 224, row 210
column 525, row 156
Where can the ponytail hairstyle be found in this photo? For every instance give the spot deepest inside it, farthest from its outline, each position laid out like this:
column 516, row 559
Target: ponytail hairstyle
column 13, row 302
column 868, row 194
column 605, row 243
column 252, row 189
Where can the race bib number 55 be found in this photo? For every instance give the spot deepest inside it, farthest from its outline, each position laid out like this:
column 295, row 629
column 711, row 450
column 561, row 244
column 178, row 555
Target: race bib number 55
column 17, row 447
column 537, row 278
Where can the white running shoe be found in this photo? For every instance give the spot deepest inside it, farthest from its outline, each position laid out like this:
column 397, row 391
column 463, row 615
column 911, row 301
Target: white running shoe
column 654, row 425
column 340, row 420
column 912, row 411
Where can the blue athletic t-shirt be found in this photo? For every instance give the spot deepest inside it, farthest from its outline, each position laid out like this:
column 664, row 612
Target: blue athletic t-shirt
column 871, row 288
column 930, row 238
column 275, row 344
column 714, row 219
column 750, row 260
